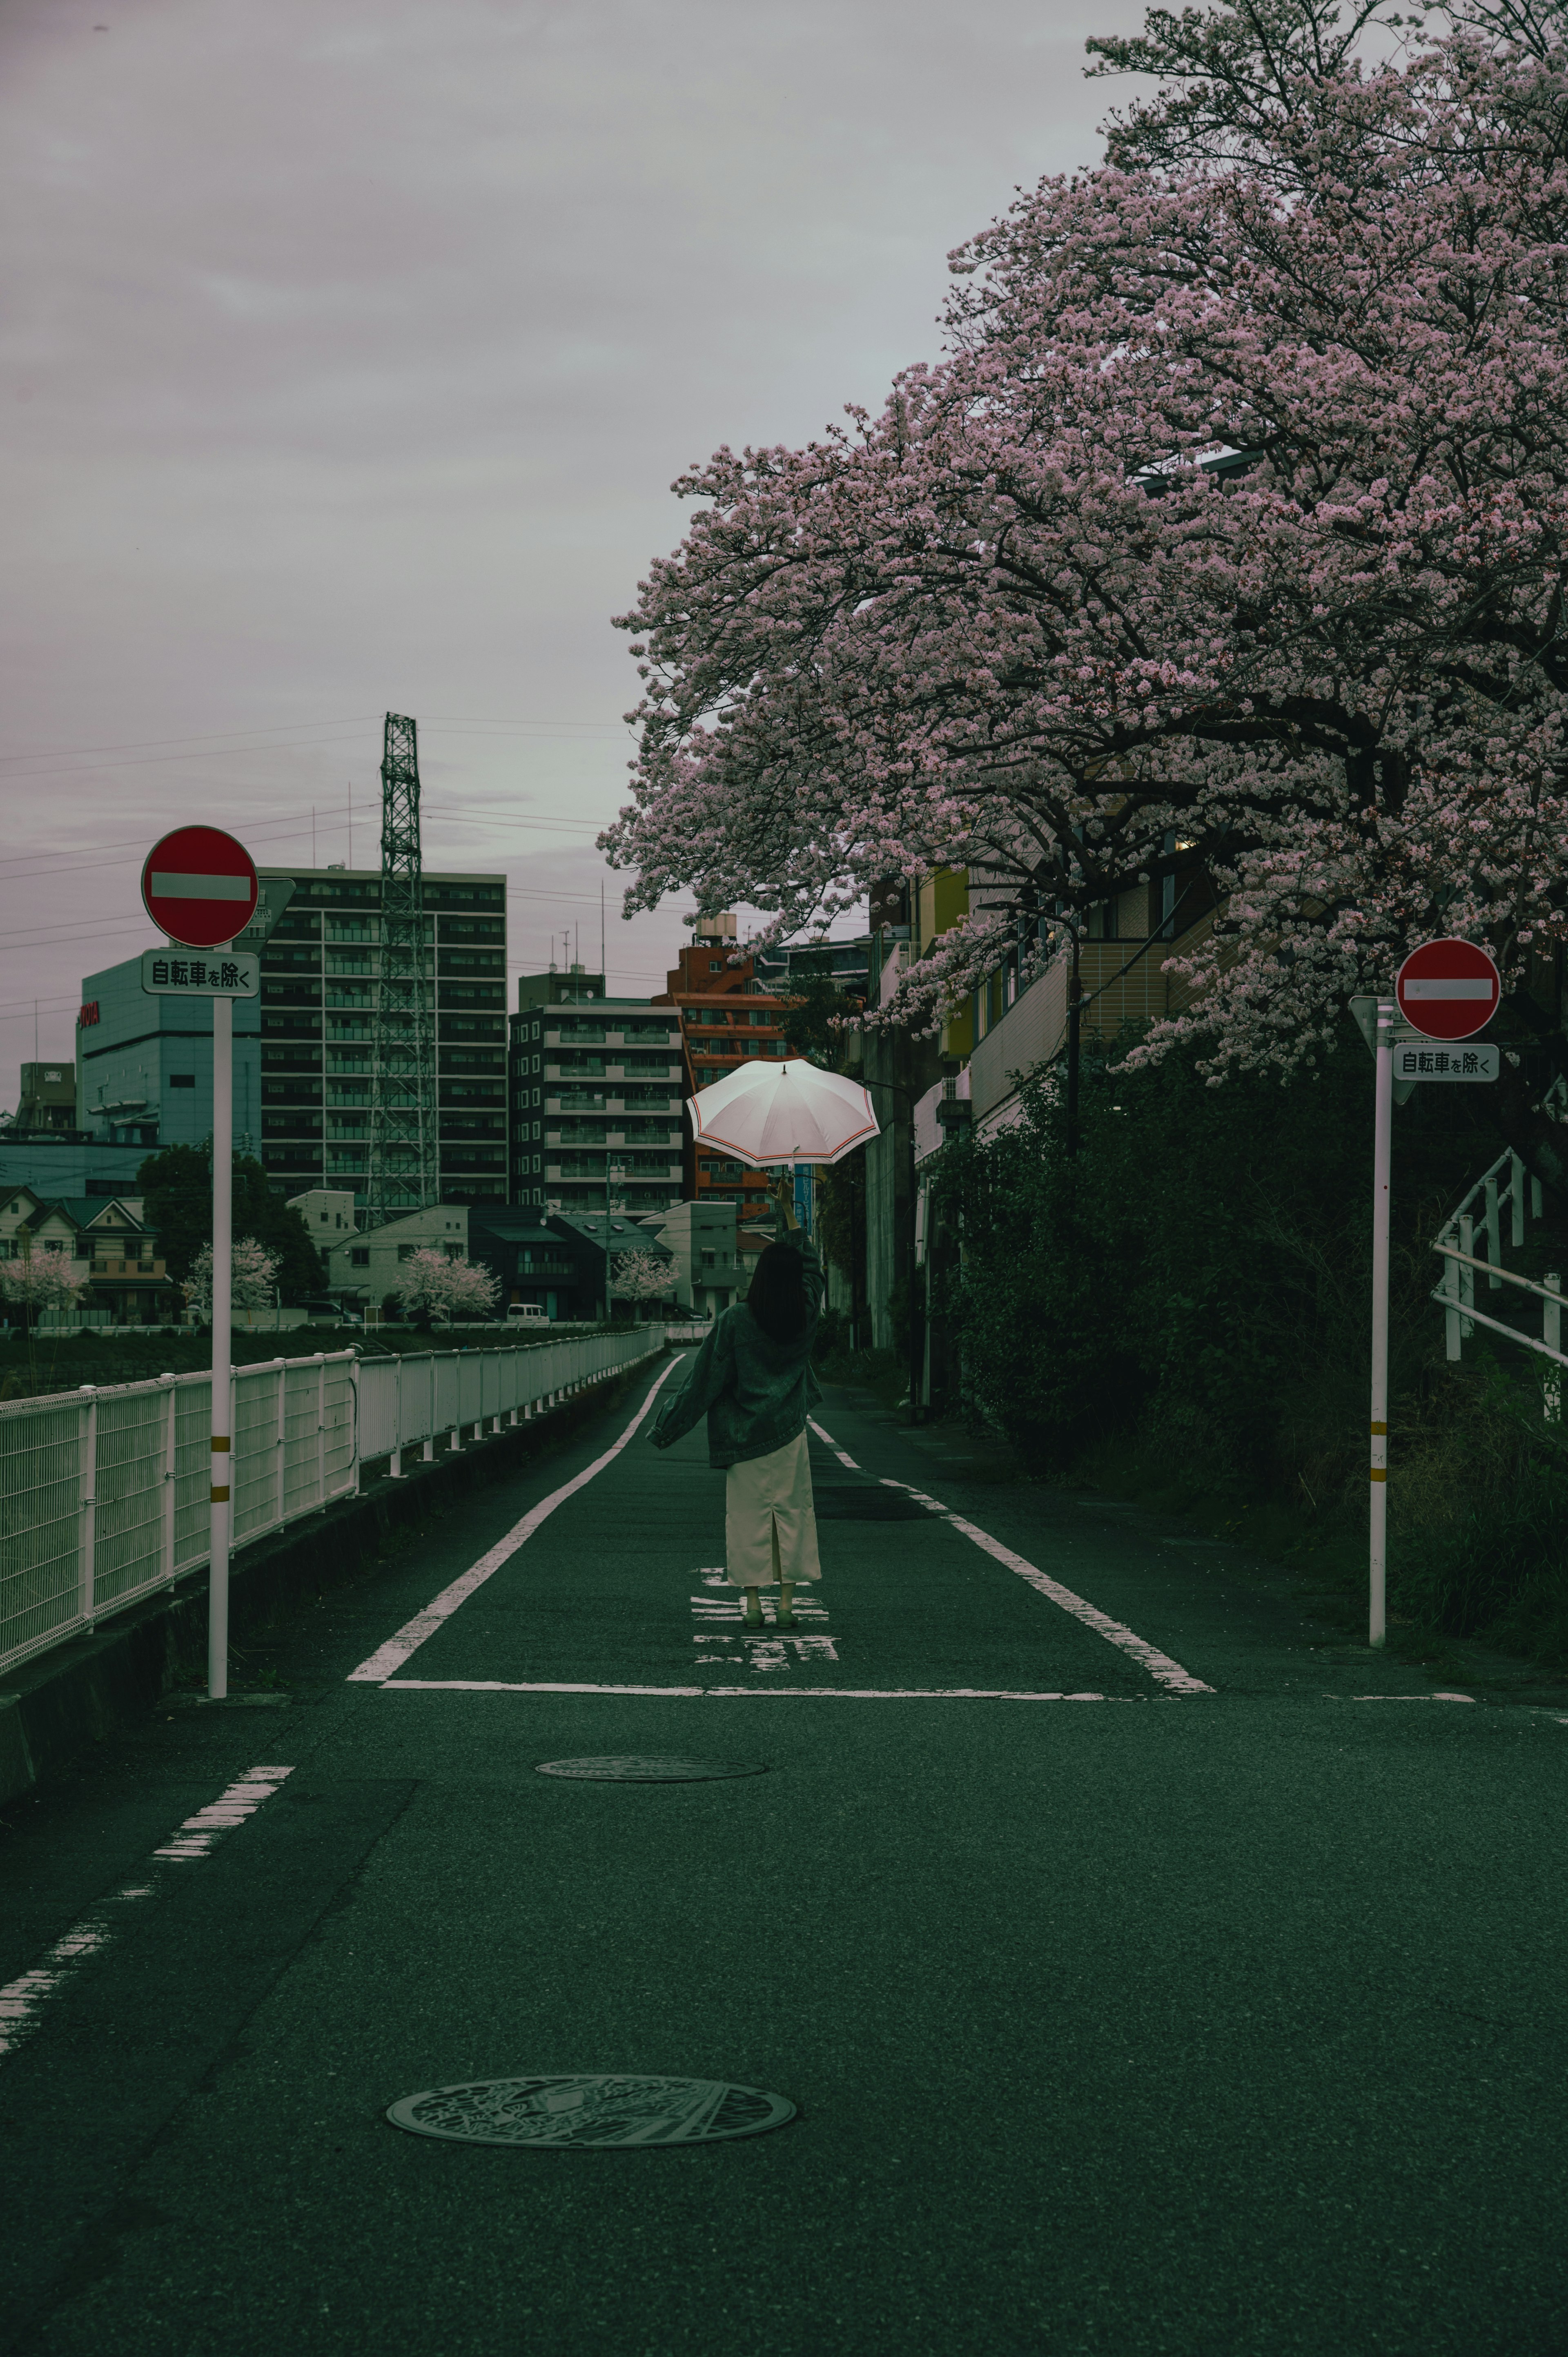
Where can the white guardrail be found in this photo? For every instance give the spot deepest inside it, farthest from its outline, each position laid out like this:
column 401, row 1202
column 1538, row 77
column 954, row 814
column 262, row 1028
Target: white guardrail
column 105, row 1491
column 1506, row 1187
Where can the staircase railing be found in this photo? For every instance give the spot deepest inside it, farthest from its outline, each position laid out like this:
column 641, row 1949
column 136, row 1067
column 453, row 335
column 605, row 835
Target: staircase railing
column 1505, row 1191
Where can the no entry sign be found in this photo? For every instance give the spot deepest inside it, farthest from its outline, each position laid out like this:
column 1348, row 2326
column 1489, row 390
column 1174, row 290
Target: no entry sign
column 1448, row 989
column 200, row 886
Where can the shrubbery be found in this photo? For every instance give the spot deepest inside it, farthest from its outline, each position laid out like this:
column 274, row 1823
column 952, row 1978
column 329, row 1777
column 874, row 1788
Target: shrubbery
column 1187, row 1302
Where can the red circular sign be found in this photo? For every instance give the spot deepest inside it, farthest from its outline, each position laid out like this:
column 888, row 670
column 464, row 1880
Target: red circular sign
column 1448, row 989
column 200, row 886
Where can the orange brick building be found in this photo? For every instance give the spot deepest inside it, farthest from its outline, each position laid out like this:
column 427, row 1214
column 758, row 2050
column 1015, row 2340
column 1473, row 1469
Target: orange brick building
column 728, row 1016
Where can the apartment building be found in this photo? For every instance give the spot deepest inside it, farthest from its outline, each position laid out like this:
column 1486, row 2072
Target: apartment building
column 596, row 1088
column 727, row 1014
column 319, row 972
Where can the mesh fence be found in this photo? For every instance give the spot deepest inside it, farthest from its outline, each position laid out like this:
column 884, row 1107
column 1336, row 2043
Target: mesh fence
column 104, row 1494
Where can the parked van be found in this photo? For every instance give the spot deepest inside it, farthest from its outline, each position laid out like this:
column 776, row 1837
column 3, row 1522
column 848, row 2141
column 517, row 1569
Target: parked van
column 526, row 1313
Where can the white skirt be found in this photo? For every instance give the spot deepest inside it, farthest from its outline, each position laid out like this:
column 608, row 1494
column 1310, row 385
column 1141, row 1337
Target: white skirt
column 770, row 1523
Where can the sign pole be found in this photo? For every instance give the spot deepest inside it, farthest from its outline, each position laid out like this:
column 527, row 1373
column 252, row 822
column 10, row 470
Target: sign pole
column 222, row 1272
column 200, row 888
column 1382, row 1142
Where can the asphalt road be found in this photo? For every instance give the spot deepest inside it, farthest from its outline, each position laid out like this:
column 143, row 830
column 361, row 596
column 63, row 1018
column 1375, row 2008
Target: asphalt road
column 1215, row 2006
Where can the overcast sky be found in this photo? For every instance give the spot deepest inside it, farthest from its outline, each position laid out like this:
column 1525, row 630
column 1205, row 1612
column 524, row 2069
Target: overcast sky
column 350, row 349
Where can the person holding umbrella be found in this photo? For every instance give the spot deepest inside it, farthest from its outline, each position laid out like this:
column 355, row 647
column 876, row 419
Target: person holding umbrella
column 753, row 1379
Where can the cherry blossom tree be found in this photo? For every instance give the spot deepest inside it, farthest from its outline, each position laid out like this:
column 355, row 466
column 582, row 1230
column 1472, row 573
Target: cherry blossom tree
column 1228, row 538
column 253, row 1273
column 39, row 1280
column 429, row 1282
column 640, row 1276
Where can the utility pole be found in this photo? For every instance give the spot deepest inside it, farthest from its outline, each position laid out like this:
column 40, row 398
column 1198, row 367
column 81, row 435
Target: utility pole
column 1074, row 1027
column 403, row 1165
column 1382, row 1156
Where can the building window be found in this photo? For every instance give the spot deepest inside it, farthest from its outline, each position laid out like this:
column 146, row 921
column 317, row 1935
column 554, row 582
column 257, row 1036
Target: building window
column 358, row 1256
column 182, row 1079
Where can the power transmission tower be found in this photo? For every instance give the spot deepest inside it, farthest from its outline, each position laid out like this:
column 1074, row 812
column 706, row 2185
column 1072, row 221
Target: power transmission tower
column 403, row 1173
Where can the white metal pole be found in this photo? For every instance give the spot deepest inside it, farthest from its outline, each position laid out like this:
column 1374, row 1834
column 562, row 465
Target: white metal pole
column 222, row 1270
column 1383, row 1141
column 1552, row 1335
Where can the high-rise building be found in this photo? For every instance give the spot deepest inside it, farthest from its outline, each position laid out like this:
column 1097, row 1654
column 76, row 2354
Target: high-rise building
column 727, row 1014
column 319, row 976
column 595, row 1087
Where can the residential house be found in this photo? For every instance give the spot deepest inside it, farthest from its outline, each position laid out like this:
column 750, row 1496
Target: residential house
column 540, row 1260
column 701, row 1239
column 364, row 1268
column 595, row 1238
column 106, row 1241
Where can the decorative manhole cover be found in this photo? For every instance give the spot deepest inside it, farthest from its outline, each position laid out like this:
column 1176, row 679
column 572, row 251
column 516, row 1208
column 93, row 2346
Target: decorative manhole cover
column 606, row 2112
column 649, row 1771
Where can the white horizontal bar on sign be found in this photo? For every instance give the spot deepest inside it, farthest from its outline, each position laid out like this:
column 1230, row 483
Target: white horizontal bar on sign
column 1443, row 987
column 201, row 887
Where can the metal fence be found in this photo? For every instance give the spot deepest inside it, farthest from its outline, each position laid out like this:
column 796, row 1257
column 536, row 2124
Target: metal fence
column 1507, row 1193
column 105, row 1492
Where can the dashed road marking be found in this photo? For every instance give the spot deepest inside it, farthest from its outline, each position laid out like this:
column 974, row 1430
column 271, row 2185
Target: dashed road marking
column 833, row 1444
column 23, row 2000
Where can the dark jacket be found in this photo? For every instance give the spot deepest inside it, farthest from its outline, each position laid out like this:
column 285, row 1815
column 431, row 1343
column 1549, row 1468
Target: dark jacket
column 755, row 1393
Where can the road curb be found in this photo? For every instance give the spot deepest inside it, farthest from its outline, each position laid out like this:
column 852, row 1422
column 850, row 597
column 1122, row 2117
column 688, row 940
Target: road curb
column 53, row 1709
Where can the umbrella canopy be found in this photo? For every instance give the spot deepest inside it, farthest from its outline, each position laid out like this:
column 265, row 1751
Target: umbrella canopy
column 792, row 1112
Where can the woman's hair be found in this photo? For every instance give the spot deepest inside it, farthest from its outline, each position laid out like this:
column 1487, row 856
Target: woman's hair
column 776, row 1298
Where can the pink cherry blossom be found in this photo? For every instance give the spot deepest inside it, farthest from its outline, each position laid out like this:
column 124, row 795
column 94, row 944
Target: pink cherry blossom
column 1235, row 514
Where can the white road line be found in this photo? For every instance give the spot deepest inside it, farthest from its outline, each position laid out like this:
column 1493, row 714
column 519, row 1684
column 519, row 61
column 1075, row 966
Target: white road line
column 412, row 1635
column 198, row 1834
column 1170, row 1674
column 833, row 1444
column 22, row 2001
column 1404, row 1697
column 846, row 1694
column 829, row 1694
column 501, row 1685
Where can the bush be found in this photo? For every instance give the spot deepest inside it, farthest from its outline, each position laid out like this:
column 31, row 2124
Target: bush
column 1185, row 1310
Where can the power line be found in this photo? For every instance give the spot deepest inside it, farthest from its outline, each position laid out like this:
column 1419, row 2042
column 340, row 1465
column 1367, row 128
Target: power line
column 312, row 734
column 149, row 744
column 271, row 827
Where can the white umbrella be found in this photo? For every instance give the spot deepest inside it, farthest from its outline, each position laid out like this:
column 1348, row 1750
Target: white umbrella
column 793, row 1112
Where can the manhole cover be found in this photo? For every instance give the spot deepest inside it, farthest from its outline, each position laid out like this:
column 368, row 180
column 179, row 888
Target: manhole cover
column 649, row 1771
column 606, row 2112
